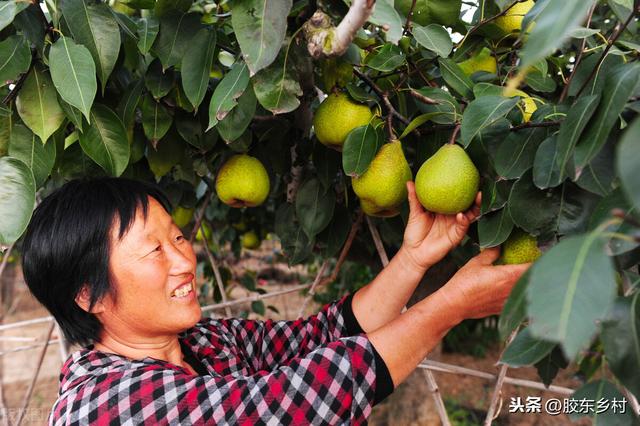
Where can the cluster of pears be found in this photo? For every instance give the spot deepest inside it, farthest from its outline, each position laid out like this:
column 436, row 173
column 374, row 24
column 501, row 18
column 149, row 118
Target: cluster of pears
column 446, row 183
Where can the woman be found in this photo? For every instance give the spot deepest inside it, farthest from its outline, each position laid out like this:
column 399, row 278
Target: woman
column 105, row 258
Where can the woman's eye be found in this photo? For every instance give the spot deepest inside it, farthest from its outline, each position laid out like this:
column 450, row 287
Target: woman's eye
column 180, row 238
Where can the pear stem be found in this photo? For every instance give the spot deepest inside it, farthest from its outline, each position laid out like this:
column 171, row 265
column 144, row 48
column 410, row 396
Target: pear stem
column 456, row 129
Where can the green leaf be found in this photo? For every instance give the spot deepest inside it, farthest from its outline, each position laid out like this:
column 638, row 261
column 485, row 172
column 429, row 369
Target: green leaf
column 314, row 207
column 576, row 206
column 335, row 235
column 456, row 78
column 26, row 147
column 419, row 121
column 359, row 94
column 434, row 38
column 227, row 92
column 570, row 130
column 105, row 140
column 621, row 340
column 359, row 149
column 37, row 104
column 156, row 120
column 159, row 81
column 494, row 195
column 260, row 30
column 29, row 22
column 448, row 108
column 605, row 391
column 196, row 65
column 129, row 101
column 602, row 213
column 174, row 38
column 147, row 30
column 128, row 26
column 167, row 7
column 387, row 59
column 277, row 87
column 236, row 122
column 6, row 125
column 15, row 57
column 257, row 306
column 72, row 113
column 385, row 15
column 516, row 153
column 618, row 85
column 295, row 243
column 167, row 153
column 94, row 26
column 531, row 209
column 549, row 366
column 482, row 113
column 587, row 66
column 628, row 163
column 553, row 26
column 572, row 286
column 545, row 171
column 515, row 308
column 17, row 198
column 74, row 74
column 525, row 350
column 445, row 12
column 9, row 10
column 540, row 82
column 494, row 228
column 326, row 162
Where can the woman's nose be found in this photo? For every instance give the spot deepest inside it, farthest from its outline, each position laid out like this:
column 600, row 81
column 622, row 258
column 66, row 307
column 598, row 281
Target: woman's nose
column 182, row 257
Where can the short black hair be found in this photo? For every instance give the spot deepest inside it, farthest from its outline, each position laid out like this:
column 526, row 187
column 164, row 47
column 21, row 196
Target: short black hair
column 66, row 246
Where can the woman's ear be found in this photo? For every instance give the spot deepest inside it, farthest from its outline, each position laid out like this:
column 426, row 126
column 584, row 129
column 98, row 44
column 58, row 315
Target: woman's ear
column 83, row 298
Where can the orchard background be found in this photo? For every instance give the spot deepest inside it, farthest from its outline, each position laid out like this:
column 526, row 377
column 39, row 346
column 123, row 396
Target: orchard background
column 169, row 90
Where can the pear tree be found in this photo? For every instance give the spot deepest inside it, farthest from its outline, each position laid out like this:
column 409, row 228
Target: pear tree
column 294, row 118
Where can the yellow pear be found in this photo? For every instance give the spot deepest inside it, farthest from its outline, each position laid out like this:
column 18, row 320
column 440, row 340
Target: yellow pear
column 483, row 61
column 336, row 116
column 448, row 181
column 250, row 240
column 382, row 187
column 242, row 182
column 182, row 216
column 520, row 247
column 529, row 106
column 511, row 21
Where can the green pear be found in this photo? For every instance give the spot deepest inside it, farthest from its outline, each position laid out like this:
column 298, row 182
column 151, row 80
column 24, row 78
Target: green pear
column 520, row 247
column 483, row 61
column 382, row 187
column 250, row 240
column 448, row 181
column 336, row 116
column 242, row 182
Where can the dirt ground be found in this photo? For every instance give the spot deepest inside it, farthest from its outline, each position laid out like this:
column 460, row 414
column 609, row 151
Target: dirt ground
column 467, row 395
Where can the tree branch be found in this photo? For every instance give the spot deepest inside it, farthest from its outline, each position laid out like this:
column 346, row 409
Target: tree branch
column 323, row 39
column 614, row 37
column 565, row 90
column 384, row 96
column 409, row 16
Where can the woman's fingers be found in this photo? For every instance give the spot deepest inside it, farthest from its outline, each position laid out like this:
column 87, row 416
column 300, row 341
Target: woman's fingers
column 415, row 208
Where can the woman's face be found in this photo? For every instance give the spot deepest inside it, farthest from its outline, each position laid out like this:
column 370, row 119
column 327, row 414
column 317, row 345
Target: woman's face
column 147, row 266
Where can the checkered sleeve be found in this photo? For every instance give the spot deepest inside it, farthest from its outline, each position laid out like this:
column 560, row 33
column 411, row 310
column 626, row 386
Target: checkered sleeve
column 264, row 344
column 333, row 384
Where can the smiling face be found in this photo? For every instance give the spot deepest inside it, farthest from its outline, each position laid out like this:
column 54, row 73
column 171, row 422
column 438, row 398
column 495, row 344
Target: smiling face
column 147, row 266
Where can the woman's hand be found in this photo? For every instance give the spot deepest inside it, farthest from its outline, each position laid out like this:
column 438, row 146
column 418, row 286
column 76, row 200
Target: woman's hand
column 428, row 236
column 480, row 289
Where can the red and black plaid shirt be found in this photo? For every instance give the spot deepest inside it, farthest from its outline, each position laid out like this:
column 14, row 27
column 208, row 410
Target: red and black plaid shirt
column 322, row 370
